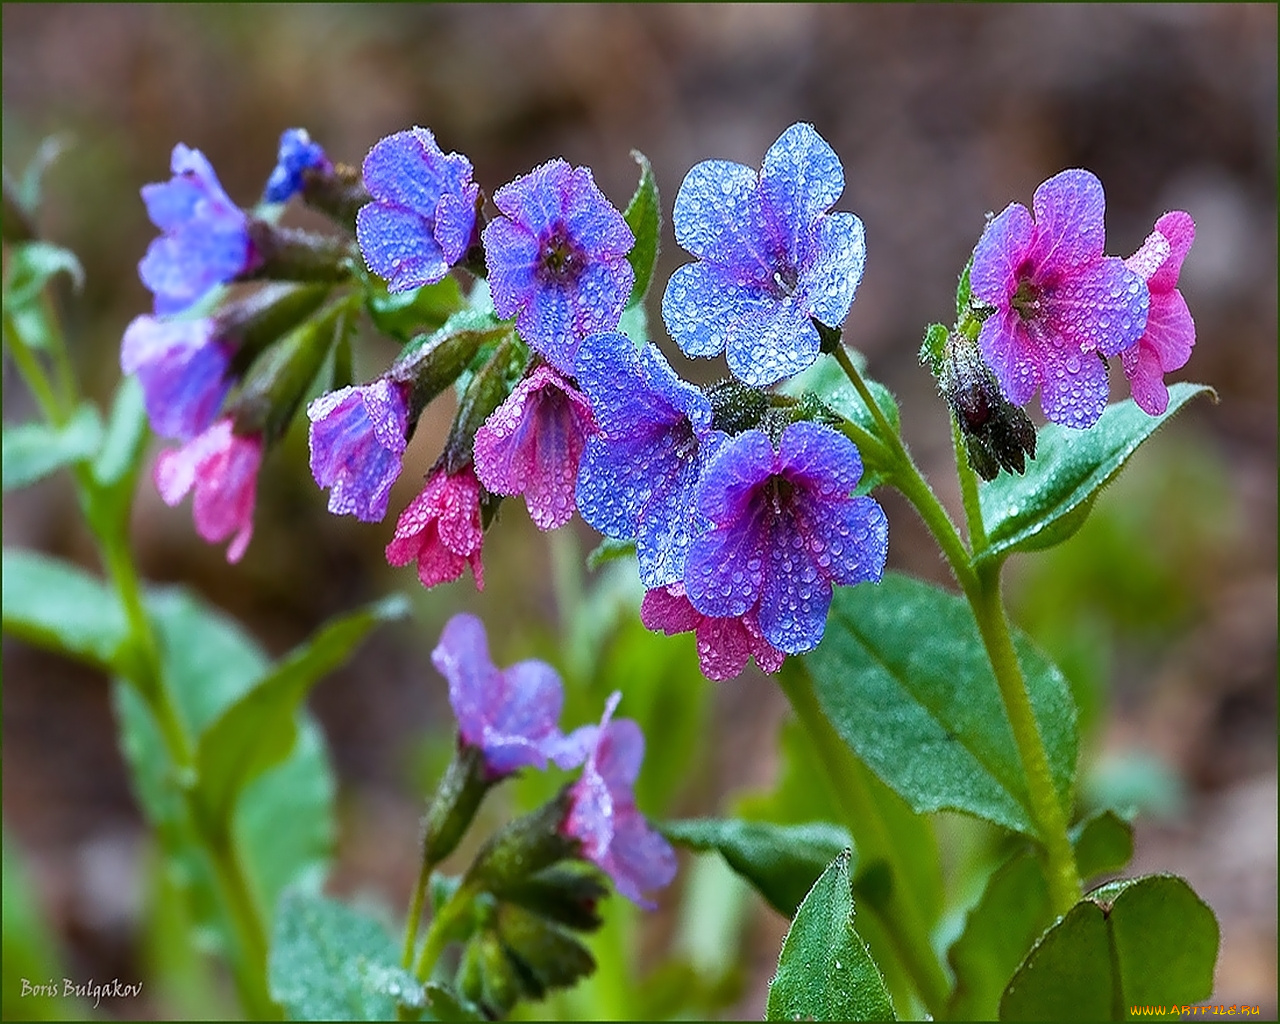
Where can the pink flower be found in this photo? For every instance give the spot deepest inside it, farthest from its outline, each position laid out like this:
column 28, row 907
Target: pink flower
column 222, row 466
column 1171, row 333
column 1060, row 304
column 603, row 816
column 532, row 445
column 441, row 529
column 725, row 645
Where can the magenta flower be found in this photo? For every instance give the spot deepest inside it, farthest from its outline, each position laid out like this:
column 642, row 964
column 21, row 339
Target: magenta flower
column 222, row 466
column 357, row 440
column 725, row 645
column 441, row 530
column 784, row 529
column 532, row 445
column 182, row 367
column 423, row 215
column 1060, row 304
column 1171, row 333
column 602, row 812
column 512, row 715
column 558, row 259
column 205, row 240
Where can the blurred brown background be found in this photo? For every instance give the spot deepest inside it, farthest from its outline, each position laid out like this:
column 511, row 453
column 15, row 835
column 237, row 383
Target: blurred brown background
column 939, row 114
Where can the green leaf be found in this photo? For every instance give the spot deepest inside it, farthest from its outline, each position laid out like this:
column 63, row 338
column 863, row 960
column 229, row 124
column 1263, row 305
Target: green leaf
column 446, row 1004
column 607, row 550
column 116, row 468
column 34, row 450
column 258, row 729
column 404, row 314
column 1138, row 943
column 781, row 861
column 1048, row 503
column 827, row 381
column 644, row 216
column 634, row 323
column 922, row 709
column 51, row 148
column 1103, row 843
column 329, row 962
column 824, row 970
column 55, row 605
column 31, row 265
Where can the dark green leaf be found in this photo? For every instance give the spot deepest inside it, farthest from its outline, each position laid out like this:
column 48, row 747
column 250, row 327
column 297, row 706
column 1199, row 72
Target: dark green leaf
column 644, row 216
column 55, row 605
column 921, row 707
column 1048, row 503
column 445, row 1004
column 328, row 962
column 34, row 450
column 781, row 861
column 1103, row 842
column 404, row 314
column 1143, row 942
column 824, row 970
column 258, row 729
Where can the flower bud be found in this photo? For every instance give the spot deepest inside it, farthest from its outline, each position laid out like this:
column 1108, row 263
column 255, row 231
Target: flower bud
column 997, row 434
column 523, row 847
column 561, row 893
column 287, row 254
column 431, row 363
column 545, row 957
column 486, row 390
column 736, row 407
column 455, row 804
column 335, row 191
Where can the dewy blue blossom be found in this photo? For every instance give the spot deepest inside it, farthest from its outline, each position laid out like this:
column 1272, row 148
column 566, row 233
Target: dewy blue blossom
column 639, row 472
column 297, row 154
column 557, row 259
column 785, row 528
column 205, row 240
column 770, row 258
column 1060, row 304
column 423, row 215
column 182, row 366
column 512, row 715
column 357, row 440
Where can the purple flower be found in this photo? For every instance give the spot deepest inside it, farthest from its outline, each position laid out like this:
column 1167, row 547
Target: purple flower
column 205, row 240
column 423, row 215
column 602, row 813
column 357, row 439
column 297, row 154
column 1170, row 333
column 724, row 645
column 512, row 715
column 1058, row 300
column 558, row 259
column 441, row 529
column 639, row 472
column 785, row 528
column 182, row 366
column 532, row 445
column 770, row 258
column 223, row 467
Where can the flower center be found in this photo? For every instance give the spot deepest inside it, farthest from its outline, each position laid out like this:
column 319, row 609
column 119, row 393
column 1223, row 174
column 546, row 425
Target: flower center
column 685, row 440
column 778, row 492
column 560, row 258
column 1026, row 300
column 785, row 279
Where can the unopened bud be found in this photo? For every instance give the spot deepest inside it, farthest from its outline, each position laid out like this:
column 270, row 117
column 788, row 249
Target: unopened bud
column 456, row 801
column 337, row 191
column 431, row 363
column 287, row 254
column 997, row 434
column 523, row 848
column 544, row 955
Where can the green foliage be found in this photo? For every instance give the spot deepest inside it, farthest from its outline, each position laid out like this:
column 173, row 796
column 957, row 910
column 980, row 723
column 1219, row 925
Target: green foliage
column 644, row 216
column 29, row 267
column 115, row 471
column 404, row 314
column 1103, row 843
column 34, row 450
column 55, row 605
column 781, row 861
column 824, row 970
column 1051, row 501
column 328, row 962
column 1145, row 941
column 922, row 708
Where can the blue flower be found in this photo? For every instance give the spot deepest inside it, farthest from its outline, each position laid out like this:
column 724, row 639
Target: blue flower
column 297, row 154
column 423, row 215
column 770, row 258
column 558, row 259
column 784, row 529
column 205, row 240
column 357, row 442
column 182, row 366
column 639, row 473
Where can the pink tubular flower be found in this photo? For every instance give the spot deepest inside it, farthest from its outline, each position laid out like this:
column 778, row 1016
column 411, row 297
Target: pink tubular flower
column 441, row 529
column 602, row 813
column 223, row 468
column 1171, row 333
column 532, row 445
column 725, row 645
column 1059, row 302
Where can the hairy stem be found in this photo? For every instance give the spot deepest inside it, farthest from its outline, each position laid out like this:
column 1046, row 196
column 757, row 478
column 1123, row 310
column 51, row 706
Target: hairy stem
column 968, row 492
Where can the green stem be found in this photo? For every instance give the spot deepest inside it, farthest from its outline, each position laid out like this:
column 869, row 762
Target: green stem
column 905, row 923
column 441, row 929
column 988, row 609
column 968, row 492
column 246, row 925
column 415, row 912
column 33, row 374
